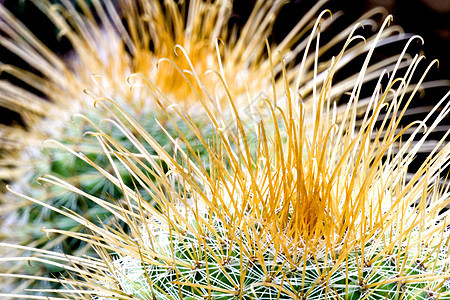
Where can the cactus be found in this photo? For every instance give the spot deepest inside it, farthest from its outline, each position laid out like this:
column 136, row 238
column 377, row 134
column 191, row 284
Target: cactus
column 319, row 206
column 254, row 244
column 104, row 55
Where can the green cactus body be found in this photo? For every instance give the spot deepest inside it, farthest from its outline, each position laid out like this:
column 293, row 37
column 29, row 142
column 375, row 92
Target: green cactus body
column 58, row 162
column 208, row 266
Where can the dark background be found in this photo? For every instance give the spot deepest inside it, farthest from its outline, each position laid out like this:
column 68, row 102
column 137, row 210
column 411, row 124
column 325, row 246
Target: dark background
column 428, row 18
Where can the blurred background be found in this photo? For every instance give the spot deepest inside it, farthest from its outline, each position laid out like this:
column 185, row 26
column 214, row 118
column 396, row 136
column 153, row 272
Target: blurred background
column 428, row 18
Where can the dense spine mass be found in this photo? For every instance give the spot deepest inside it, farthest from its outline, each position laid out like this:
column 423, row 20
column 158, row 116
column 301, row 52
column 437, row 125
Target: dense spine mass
column 211, row 267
